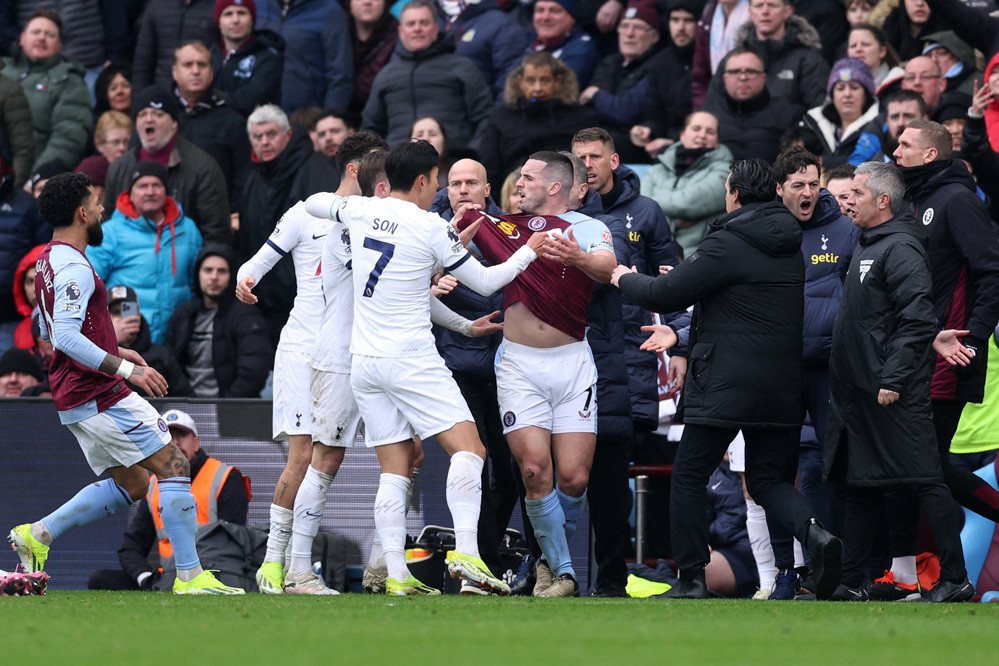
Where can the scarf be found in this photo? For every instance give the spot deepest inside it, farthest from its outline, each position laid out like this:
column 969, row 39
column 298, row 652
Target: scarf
column 723, row 31
column 685, row 157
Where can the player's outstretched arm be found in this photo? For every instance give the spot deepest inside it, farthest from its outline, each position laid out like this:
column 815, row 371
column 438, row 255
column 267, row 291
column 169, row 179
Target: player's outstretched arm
column 322, row 205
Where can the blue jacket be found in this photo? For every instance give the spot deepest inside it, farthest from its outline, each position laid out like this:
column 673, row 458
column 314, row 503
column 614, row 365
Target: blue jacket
column 162, row 279
column 21, row 228
column 578, row 52
column 651, row 246
column 605, row 335
column 318, row 60
column 490, row 38
column 461, row 353
column 827, row 243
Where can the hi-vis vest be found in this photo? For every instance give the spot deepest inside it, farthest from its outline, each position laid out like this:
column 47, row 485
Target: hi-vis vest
column 205, row 487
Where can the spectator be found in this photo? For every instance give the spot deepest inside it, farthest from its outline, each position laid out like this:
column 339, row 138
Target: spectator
column 113, row 89
column 426, row 78
column 540, row 112
column 907, row 26
column 133, row 333
column 207, row 120
column 858, row 12
column 829, row 20
column 221, row 493
column 248, row 63
column 789, row 47
column 194, row 179
column 21, row 228
column 974, row 26
column 96, row 168
column 374, row 33
column 285, row 169
column 509, row 196
column 220, row 343
column 955, row 59
column 923, row 75
column 331, row 129
column 24, row 297
column 953, row 114
column 750, row 119
column 716, row 32
column 557, row 31
column 306, row 116
column 82, row 35
column 317, row 62
column 57, row 95
column 901, row 108
column 980, row 140
column 848, row 124
column 430, row 130
column 867, row 43
column 686, row 177
column 150, row 245
column 838, row 182
column 19, row 370
column 16, row 129
column 667, row 104
column 621, row 83
column 487, row 36
column 112, row 134
column 166, row 24
column 42, row 175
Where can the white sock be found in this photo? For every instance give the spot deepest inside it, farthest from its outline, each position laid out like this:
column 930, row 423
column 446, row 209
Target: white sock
column 464, row 499
column 759, row 541
column 376, row 559
column 799, row 555
column 310, row 503
column 904, row 569
column 187, row 575
column 390, row 521
column 280, row 533
column 40, row 532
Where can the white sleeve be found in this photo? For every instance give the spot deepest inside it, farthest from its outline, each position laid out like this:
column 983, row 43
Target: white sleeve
column 487, row 280
column 444, row 316
column 322, row 205
column 261, row 263
column 282, row 240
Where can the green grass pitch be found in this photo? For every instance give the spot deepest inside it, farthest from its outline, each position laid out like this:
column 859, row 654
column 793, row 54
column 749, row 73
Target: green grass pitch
column 150, row 628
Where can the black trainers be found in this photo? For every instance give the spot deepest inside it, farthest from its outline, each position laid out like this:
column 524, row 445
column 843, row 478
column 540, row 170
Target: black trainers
column 523, row 582
column 844, row 593
column 949, row 591
column 692, row 588
column 887, row 588
column 826, row 551
column 786, row 585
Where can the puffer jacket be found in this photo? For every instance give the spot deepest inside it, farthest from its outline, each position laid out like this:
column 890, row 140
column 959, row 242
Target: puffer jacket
column 83, row 36
column 165, row 25
column 157, row 260
column 490, row 38
column 861, row 141
column 252, row 75
column 16, row 129
column 21, row 228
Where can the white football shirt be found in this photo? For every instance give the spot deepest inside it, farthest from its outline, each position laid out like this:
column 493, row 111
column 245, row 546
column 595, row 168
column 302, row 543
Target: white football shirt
column 332, row 352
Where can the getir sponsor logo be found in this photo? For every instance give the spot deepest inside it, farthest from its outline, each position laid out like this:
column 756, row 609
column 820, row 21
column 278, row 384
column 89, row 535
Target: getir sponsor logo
column 825, row 258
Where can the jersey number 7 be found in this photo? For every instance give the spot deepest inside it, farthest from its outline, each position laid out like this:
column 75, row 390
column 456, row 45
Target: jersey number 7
column 386, row 250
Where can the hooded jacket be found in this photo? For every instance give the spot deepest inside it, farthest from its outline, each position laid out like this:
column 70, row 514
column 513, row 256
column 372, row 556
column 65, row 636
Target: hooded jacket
column 252, row 74
column 318, row 67
column 964, row 260
column 160, row 357
column 668, row 101
column 165, row 25
column 434, row 82
column 898, row 31
column 882, row 339
column 242, row 355
column 21, row 228
column 490, row 38
column 22, row 334
column 860, row 142
column 157, row 260
column 746, row 282
column 979, row 30
column 60, row 105
column 621, row 99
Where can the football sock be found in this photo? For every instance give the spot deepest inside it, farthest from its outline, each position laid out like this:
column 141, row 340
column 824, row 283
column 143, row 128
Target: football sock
column 280, row 533
column 799, row 555
column 376, row 558
column 571, row 508
column 390, row 521
column 180, row 519
column 310, row 503
column 464, row 499
column 549, row 529
column 93, row 502
column 904, row 569
column 759, row 541
column 412, row 488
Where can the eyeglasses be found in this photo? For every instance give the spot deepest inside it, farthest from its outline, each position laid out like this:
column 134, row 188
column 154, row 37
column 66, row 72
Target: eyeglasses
column 909, row 78
column 739, row 73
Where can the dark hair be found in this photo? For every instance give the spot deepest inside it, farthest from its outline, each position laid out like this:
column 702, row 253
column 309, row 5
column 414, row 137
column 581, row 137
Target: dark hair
column 417, row 4
column 558, row 169
column 305, row 116
column 62, row 195
column 591, row 134
column 907, row 96
column 103, row 82
column 808, row 137
column 46, row 14
column 841, row 171
column 743, row 50
column 793, row 160
column 440, row 126
column 356, row 146
column 753, row 179
column 196, row 43
column 370, row 171
column 891, row 56
column 339, row 114
column 407, row 162
column 931, row 135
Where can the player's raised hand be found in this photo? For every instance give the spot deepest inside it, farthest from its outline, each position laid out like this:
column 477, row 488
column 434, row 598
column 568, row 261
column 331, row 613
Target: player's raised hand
column 468, row 233
column 485, row 326
column 563, row 248
column 243, row 290
column 662, row 338
column 149, row 380
column 445, row 284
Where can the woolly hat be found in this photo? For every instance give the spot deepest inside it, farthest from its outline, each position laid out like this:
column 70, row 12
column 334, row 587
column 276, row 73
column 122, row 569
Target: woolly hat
column 147, row 168
column 851, row 69
column 220, row 6
column 16, row 359
column 95, row 166
column 157, row 98
column 570, row 6
column 644, row 10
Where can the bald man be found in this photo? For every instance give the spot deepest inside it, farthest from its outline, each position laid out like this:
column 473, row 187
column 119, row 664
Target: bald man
column 923, row 75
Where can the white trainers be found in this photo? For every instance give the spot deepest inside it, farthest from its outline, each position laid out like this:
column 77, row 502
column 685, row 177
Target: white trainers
column 306, row 582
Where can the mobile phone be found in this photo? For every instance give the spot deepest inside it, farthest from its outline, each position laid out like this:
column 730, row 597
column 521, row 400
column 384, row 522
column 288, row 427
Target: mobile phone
column 129, row 309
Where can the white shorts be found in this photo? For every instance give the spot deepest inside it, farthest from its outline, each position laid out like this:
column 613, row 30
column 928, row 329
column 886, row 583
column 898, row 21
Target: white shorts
column 336, row 421
column 737, row 454
column 292, row 414
column 400, row 397
column 552, row 388
column 124, row 434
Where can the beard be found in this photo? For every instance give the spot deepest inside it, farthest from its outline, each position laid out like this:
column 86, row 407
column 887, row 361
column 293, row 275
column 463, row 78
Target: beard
column 95, row 235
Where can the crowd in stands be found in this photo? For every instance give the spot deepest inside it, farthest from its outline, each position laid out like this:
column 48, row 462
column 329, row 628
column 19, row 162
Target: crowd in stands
column 202, row 122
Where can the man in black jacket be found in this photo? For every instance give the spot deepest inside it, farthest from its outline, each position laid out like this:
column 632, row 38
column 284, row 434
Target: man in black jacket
column 746, row 282
column 880, row 433
column 248, row 63
column 221, row 344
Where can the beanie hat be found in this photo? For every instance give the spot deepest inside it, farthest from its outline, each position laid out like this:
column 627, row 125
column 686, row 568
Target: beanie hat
column 147, row 168
column 16, row 359
column 220, row 6
column 644, row 10
column 95, row 166
column 157, row 98
column 47, row 170
column 570, row 6
column 851, row 69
